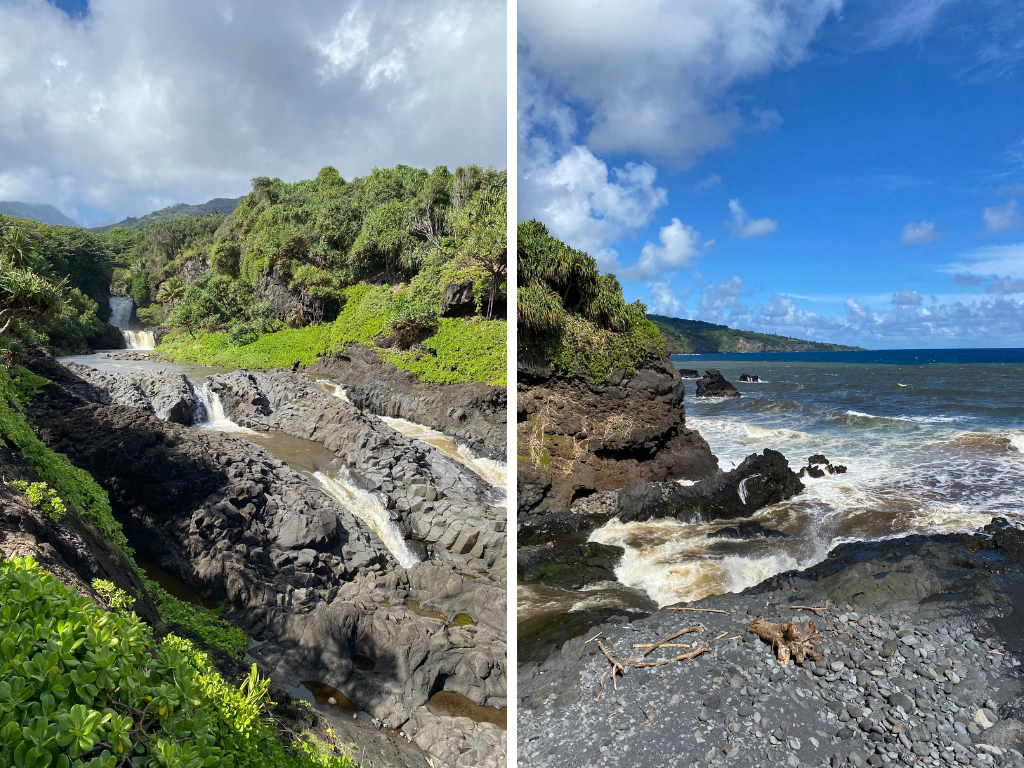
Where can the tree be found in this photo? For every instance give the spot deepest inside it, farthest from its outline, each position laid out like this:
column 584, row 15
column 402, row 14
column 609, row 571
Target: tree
column 483, row 244
column 18, row 247
column 25, row 295
column 171, row 291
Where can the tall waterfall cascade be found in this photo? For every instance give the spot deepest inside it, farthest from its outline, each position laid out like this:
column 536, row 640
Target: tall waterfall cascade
column 121, row 317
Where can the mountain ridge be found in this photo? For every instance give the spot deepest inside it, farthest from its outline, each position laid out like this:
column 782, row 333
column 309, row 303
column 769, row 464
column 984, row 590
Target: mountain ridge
column 699, row 337
column 41, row 212
column 221, row 205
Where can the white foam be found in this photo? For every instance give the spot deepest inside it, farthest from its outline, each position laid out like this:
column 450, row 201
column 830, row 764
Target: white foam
column 139, row 339
column 493, row 472
column 333, row 389
column 213, row 416
column 367, row 508
column 1017, row 441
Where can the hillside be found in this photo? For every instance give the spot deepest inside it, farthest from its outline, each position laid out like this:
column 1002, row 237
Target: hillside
column 43, row 212
column 221, row 205
column 697, row 336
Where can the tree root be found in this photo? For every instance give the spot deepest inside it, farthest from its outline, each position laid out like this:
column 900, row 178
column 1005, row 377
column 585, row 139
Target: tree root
column 789, row 640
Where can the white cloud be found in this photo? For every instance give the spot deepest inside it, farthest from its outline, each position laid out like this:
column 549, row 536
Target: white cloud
column 656, row 77
column 777, row 307
column 721, row 301
column 1002, row 218
column 747, row 229
column 201, row 97
column 854, row 311
column 664, row 302
column 711, row 181
column 908, row 20
column 678, row 250
column 905, row 298
column 989, row 260
column 919, row 234
column 584, row 205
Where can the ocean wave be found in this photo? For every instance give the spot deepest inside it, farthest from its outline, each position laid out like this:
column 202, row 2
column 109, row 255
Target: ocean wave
column 1017, row 441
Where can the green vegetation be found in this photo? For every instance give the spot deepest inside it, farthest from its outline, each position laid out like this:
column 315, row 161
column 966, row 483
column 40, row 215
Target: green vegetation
column 204, row 622
column 696, row 337
column 219, row 205
column 42, row 497
column 76, row 488
column 81, row 687
column 456, row 350
column 573, row 318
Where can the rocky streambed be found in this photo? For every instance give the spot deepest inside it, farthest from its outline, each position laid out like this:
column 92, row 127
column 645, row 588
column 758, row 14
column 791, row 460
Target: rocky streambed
column 919, row 665
column 415, row 639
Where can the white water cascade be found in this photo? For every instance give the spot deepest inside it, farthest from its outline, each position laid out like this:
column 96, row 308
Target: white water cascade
column 139, row 339
column 121, row 317
column 213, row 411
column 367, row 508
column 121, row 311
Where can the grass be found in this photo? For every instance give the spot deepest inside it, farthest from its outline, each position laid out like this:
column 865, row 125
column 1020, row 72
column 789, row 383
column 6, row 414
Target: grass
column 459, row 351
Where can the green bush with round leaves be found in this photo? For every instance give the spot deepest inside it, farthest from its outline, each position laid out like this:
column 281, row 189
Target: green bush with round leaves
column 81, row 687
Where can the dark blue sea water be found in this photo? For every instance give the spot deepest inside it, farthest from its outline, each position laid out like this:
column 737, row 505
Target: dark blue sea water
column 933, row 441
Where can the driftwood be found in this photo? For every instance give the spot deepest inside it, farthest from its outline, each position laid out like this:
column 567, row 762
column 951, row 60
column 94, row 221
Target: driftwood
column 789, row 640
column 616, row 664
column 682, row 657
column 821, row 608
column 699, row 610
column 664, row 640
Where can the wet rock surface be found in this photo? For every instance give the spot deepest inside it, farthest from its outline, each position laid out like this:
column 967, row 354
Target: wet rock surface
column 714, row 384
column 569, row 566
column 432, row 498
column 577, row 438
column 296, row 569
column 473, row 414
column 917, row 668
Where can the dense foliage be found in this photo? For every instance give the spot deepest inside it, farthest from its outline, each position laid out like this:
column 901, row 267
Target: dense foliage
column 697, row 337
column 81, row 687
column 454, row 350
column 221, row 205
column 573, row 318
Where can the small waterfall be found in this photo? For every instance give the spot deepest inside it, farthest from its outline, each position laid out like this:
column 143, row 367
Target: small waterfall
column 328, row 386
column 367, row 508
column 493, row 472
column 213, row 416
column 139, row 339
column 121, row 311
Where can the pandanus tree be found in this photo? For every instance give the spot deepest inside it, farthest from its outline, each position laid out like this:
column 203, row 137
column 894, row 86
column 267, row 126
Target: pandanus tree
column 483, row 245
column 25, row 295
column 17, row 247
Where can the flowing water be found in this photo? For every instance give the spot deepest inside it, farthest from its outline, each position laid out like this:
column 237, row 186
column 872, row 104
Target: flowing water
column 933, row 442
column 139, row 339
column 322, row 466
column 121, row 311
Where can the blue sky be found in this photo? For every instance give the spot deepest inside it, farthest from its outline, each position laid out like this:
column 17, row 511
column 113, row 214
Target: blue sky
column 114, row 108
column 849, row 172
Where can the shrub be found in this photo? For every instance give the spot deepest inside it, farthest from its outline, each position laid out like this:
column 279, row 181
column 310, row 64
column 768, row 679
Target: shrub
column 225, row 257
column 81, row 687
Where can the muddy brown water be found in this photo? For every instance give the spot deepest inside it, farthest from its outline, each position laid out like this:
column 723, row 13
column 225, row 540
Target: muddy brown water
column 457, row 705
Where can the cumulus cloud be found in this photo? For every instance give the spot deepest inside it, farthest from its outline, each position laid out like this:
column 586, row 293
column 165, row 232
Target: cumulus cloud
column 1005, row 287
column 664, row 301
column 919, row 234
column 777, row 307
column 743, row 227
column 905, row 298
column 679, row 249
column 711, row 181
column 587, row 206
column 656, row 78
column 1002, row 218
column 197, row 98
column 855, row 312
column 721, row 301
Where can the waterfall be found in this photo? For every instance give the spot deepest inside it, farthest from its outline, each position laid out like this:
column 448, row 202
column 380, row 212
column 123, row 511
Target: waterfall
column 121, row 311
column 139, row 339
column 328, row 386
column 213, row 416
column 367, row 508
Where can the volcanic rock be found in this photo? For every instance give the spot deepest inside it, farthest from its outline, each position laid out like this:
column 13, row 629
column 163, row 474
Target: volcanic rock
column 713, row 384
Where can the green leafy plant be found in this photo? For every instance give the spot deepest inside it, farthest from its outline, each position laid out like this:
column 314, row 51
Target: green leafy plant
column 42, row 497
column 118, row 600
column 81, row 687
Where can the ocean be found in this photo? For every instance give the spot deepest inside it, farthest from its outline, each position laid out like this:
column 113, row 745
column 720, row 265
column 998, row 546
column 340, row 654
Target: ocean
column 933, row 441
